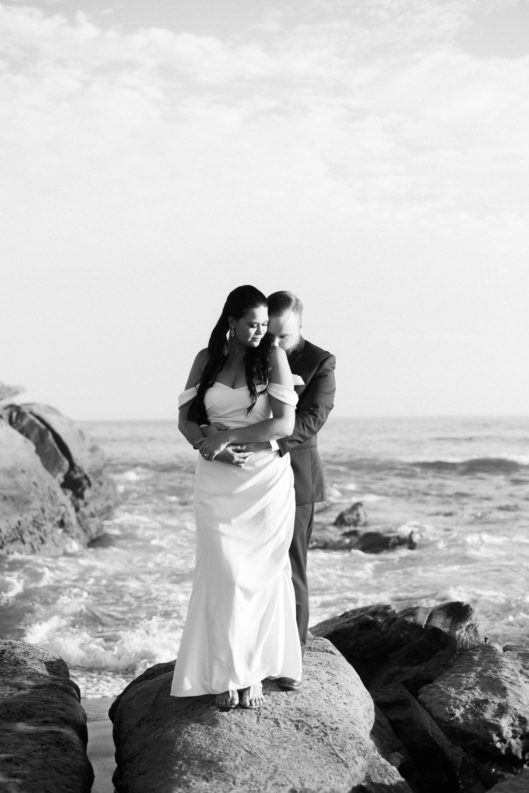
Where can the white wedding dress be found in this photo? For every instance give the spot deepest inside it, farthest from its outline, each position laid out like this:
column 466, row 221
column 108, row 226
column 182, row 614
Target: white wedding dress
column 241, row 619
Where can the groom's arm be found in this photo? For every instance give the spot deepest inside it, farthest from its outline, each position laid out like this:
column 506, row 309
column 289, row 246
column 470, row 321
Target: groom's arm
column 314, row 407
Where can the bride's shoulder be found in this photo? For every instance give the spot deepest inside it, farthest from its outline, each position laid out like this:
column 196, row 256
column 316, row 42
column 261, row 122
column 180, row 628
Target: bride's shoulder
column 202, row 357
column 197, row 368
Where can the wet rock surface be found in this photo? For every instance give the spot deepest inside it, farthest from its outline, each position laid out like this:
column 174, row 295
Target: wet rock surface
column 315, row 739
column 43, row 732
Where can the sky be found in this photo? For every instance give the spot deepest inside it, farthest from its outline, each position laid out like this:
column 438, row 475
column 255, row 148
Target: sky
column 370, row 155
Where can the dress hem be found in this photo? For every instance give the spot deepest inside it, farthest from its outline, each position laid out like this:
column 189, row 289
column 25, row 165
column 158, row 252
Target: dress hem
column 196, row 693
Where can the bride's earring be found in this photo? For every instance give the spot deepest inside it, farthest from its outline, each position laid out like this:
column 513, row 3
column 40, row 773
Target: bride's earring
column 230, row 334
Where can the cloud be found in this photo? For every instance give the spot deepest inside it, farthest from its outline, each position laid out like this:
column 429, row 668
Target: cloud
column 372, row 109
column 145, row 169
column 376, row 101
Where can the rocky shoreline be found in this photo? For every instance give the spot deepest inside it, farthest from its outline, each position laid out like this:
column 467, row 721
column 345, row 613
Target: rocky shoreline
column 413, row 701
column 452, row 709
column 409, row 701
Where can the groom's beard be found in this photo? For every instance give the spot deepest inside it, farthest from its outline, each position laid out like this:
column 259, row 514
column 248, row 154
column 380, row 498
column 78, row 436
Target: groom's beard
column 293, row 350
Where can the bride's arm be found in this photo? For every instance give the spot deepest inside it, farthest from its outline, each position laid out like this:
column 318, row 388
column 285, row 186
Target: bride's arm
column 279, row 426
column 190, row 429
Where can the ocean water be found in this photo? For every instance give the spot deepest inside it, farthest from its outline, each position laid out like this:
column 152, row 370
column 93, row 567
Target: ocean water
column 117, row 607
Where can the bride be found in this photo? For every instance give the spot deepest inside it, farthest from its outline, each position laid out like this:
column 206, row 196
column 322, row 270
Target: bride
column 241, row 619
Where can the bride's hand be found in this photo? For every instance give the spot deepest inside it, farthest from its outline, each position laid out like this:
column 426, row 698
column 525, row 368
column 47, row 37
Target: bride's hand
column 234, row 455
column 213, row 445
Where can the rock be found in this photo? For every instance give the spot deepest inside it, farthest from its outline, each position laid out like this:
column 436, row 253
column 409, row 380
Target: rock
column 9, row 391
column 34, row 512
column 437, row 763
column 516, row 784
column 75, row 471
column 324, row 537
column 396, row 654
column 413, row 645
column 482, row 702
column 389, row 746
column 376, row 540
column 355, row 515
column 91, row 490
column 28, row 425
column 312, row 740
column 42, row 724
column 458, row 706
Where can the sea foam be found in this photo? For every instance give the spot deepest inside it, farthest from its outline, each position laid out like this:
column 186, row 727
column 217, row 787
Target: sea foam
column 131, row 650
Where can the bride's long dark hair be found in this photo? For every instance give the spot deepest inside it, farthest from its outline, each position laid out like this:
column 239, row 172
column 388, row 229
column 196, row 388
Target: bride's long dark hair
column 256, row 360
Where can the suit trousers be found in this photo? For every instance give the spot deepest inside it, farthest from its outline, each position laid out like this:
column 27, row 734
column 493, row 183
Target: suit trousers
column 298, row 561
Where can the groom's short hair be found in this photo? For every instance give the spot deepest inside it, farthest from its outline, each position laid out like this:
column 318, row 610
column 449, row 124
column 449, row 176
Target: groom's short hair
column 280, row 302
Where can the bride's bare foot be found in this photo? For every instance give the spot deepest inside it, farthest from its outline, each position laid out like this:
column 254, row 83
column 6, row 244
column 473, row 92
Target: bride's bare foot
column 252, row 697
column 227, row 700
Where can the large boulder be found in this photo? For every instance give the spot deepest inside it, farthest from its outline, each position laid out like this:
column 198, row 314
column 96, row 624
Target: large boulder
column 53, row 484
column 398, row 654
column 482, row 702
column 453, row 709
column 42, row 724
column 312, row 740
column 413, row 645
column 90, row 489
column 35, row 513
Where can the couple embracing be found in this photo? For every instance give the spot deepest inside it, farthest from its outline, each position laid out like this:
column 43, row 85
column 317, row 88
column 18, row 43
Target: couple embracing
column 254, row 402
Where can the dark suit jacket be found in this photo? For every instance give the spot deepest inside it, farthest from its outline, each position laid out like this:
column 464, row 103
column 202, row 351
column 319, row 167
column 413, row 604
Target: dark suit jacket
column 316, row 400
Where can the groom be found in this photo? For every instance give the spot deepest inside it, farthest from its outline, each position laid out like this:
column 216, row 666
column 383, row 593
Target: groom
column 315, row 386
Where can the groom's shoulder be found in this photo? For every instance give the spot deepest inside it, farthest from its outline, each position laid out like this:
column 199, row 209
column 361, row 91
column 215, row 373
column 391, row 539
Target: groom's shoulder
column 318, row 354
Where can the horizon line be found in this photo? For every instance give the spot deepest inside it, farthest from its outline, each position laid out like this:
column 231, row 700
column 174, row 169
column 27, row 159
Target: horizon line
column 369, row 416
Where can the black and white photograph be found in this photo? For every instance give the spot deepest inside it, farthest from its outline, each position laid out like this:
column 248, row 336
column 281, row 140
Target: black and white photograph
column 264, row 396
